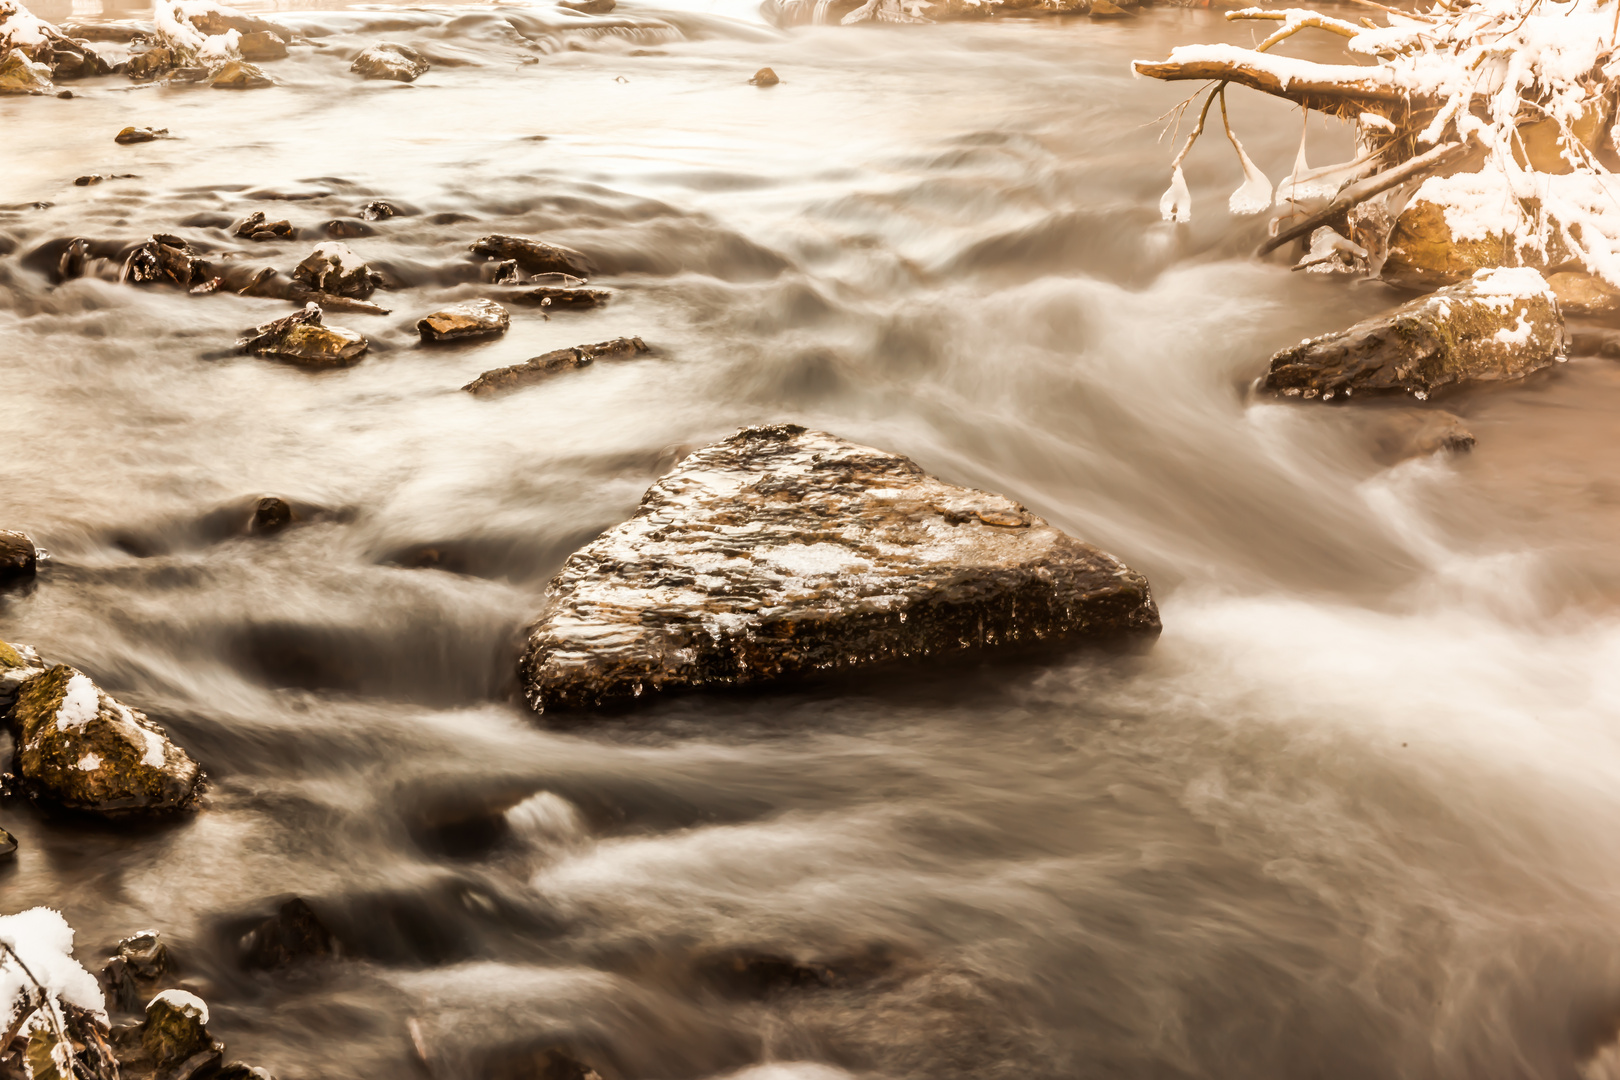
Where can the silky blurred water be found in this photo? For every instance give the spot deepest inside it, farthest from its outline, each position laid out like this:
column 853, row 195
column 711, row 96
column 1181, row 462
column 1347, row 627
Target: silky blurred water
column 1351, row 816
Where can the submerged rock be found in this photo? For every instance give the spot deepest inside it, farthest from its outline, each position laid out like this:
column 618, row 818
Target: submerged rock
column 20, row 75
column 1501, row 324
column 129, row 977
column 79, row 748
column 386, row 60
column 256, row 227
column 347, row 229
column 470, row 319
column 764, row 77
column 271, row 514
column 293, row 934
column 8, row 844
column 535, row 256
column 780, row 553
column 240, row 75
column 18, row 558
column 1421, row 432
column 333, row 268
column 588, row 7
column 139, row 135
column 557, row 298
column 303, row 339
column 551, row 363
column 164, row 258
column 262, row 45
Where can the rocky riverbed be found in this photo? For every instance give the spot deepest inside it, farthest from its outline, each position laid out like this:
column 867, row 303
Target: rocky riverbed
column 469, row 359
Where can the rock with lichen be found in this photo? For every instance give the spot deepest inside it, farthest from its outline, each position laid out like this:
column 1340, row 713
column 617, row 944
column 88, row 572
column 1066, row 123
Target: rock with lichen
column 386, row 60
column 781, row 553
column 1500, row 324
column 304, row 338
column 78, row 748
column 240, row 75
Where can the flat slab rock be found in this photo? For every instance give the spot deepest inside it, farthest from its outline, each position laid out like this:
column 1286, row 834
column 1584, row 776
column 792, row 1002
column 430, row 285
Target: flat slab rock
column 468, row 319
column 1500, row 324
column 781, row 552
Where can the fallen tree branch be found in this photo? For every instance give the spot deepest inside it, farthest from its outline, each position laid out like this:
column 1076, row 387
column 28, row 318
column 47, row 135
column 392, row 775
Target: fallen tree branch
column 1362, row 190
column 1325, row 87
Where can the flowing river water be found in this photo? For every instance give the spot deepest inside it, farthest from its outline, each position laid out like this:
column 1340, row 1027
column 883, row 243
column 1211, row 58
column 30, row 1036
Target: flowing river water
column 1353, row 815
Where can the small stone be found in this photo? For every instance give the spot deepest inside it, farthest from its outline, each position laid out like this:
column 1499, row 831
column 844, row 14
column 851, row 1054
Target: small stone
column 535, row 256
column 79, row 748
column 86, row 181
column 347, row 229
column 470, row 319
column 8, row 844
column 271, row 514
column 65, row 95
column 256, row 227
column 551, row 363
column 504, row 272
column 18, row 559
column 20, row 75
column 764, row 77
column 334, row 268
column 852, row 558
column 150, row 64
column 377, row 210
column 386, row 60
column 1584, row 294
column 146, row 954
column 240, row 75
column 1500, row 324
column 262, row 45
column 302, row 339
column 139, row 135
column 293, row 934
column 164, row 258
column 1420, row 432
column 588, row 7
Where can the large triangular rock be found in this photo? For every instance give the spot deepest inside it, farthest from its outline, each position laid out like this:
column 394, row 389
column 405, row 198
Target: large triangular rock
column 79, row 748
column 782, row 552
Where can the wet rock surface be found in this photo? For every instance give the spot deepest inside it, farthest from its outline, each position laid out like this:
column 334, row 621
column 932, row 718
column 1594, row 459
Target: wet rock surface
column 534, row 256
column 256, row 227
column 563, row 298
column 78, row 748
column 151, row 63
column 303, row 338
column 588, row 7
column 294, row 934
column 1501, row 324
column 164, row 259
column 1584, row 294
column 387, row 60
column 132, row 976
column 262, row 45
column 18, row 664
column 240, row 75
column 333, row 268
column 781, row 553
column 8, row 844
column 469, row 319
column 764, row 77
column 552, row 363
column 171, row 1043
column 18, row 560
column 1424, row 432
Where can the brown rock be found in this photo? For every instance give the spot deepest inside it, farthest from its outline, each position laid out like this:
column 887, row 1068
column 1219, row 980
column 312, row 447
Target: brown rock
column 271, row 514
column 8, row 844
column 19, row 75
column 161, row 259
column 782, row 553
column 262, row 45
column 535, row 256
column 256, row 227
column 469, row 319
column 1411, row 433
column 347, row 229
column 386, row 60
column 293, row 934
column 334, row 268
column 588, row 7
column 301, row 338
column 139, row 135
column 79, row 748
column 17, row 557
column 764, row 77
column 240, row 75
column 18, row 664
column 561, row 298
column 1501, row 324
column 150, row 64
column 551, row 363
column 1584, row 294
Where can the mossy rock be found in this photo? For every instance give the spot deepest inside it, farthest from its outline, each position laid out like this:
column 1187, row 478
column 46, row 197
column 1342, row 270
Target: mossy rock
column 80, row 749
column 175, row 1028
column 1500, row 325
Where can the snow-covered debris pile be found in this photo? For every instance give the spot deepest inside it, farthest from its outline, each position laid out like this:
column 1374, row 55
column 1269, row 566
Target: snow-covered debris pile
column 50, row 1000
column 42, row 43
column 206, row 32
column 1518, row 93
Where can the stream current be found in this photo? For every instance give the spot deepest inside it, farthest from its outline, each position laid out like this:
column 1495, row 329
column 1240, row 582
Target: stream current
column 1353, row 815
